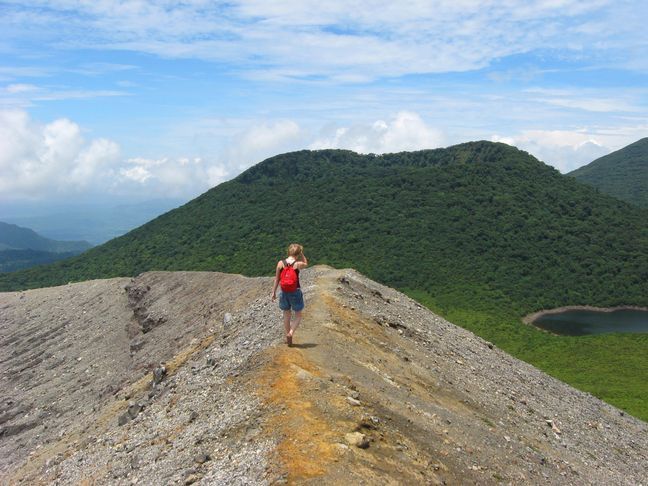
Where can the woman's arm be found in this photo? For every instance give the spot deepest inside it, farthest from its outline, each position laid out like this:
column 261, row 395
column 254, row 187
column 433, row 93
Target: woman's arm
column 276, row 280
column 302, row 263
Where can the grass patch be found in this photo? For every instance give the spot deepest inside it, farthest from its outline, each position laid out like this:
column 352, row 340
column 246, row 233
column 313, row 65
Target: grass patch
column 612, row 367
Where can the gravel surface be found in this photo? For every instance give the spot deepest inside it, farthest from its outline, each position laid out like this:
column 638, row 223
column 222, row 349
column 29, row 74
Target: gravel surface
column 184, row 378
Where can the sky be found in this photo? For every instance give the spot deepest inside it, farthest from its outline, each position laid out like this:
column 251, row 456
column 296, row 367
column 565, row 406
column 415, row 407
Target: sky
column 139, row 99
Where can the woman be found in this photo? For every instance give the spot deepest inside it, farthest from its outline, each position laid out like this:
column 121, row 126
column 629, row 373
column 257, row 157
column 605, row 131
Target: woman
column 291, row 298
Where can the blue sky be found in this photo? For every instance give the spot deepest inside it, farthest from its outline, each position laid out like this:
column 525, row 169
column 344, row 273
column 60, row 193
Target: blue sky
column 153, row 99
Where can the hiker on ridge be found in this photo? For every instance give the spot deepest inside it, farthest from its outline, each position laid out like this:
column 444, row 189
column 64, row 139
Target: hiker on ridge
column 291, row 297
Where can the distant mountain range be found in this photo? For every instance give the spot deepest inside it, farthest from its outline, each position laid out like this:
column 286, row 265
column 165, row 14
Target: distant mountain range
column 23, row 248
column 622, row 174
column 93, row 221
column 481, row 232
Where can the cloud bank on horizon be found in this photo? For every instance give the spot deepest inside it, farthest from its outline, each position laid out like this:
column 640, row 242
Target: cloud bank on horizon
column 168, row 98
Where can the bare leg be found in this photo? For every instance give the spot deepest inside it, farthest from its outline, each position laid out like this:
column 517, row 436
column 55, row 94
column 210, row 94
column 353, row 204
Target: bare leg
column 295, row 323
column 286, row 319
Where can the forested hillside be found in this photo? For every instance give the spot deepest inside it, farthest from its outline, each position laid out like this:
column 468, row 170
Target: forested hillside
column 24, row 248
column 622, row 174
column 19, row 238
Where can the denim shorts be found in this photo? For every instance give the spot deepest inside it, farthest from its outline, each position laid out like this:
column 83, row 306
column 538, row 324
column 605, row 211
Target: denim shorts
column 291, row 300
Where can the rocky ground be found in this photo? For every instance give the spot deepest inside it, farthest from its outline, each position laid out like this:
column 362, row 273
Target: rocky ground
column 183, row 377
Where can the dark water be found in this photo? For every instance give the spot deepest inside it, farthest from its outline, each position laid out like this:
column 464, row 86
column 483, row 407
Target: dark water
column 582, row 322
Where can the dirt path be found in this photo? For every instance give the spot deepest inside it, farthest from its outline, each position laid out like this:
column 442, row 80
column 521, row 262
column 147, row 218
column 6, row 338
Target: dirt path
column 326, row 386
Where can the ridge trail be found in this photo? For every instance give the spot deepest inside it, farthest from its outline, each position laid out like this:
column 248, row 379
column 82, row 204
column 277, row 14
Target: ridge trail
column 437, row 404
column 309, row 383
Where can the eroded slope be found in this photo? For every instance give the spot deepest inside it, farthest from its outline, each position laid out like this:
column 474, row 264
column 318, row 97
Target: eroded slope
column 429, row 402
column 67, row 354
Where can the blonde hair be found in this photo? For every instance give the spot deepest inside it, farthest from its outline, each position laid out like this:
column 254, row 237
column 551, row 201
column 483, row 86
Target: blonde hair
column 295, row 250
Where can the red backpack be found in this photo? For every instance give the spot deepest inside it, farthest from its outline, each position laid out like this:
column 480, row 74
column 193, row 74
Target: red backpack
column 289, row 278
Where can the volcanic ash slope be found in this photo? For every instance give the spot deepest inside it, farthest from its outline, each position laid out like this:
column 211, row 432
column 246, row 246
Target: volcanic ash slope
column 183, row 377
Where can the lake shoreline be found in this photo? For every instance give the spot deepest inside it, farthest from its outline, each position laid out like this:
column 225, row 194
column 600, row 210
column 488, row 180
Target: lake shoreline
column 531, row 318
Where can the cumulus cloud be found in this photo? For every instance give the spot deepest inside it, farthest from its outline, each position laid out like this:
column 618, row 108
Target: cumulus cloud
column 43, row 160
column 138, row 174
column 48, row 158
column 405, row 131
column 40, row 160
column 262, row 140
column 167, row 176
column 565, row 150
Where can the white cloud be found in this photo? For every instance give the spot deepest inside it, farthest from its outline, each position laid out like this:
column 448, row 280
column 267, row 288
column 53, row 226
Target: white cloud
column 564, row 149
column 37, row 159
column 101, row 68
column 597, row 101
column 20, row 88
column 42, row 160
column 23, row 95
column 74, row 94
column 310, row 38
column 166, row 176
column 595, row 105
column 13, row 72
column 261, row 140
column 146, row 163
column 405, row 131
column 138, row 174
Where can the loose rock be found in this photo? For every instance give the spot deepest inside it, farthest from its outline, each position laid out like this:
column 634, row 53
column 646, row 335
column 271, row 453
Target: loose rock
column 159, row 373
column 202, row 458
column 357, row 439
column 353, row 402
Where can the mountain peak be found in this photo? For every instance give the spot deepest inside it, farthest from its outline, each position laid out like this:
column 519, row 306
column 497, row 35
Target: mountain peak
column 307, row 164
column 622, row 174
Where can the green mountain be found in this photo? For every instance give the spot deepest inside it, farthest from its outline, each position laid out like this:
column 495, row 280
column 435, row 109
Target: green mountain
column 622, row 174
column 12, row 260
column 22, row 248
column 481, row 232
column 17, row 238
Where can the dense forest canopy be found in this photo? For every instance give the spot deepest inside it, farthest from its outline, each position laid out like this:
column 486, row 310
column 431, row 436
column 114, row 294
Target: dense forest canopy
column 622, row 174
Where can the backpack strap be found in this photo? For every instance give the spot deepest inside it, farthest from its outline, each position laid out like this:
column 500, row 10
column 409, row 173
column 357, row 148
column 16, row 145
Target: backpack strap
column 286, row 264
